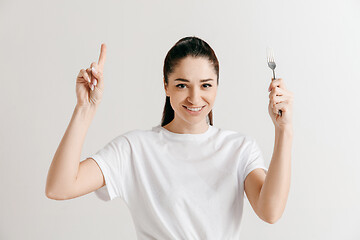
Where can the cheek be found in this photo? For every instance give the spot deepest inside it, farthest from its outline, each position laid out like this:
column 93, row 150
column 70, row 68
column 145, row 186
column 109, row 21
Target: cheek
column 176, row 100
column 178, row 97
column 212, row 97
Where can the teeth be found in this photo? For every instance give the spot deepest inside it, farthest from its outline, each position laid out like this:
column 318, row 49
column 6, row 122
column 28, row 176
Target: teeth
column 194, row 109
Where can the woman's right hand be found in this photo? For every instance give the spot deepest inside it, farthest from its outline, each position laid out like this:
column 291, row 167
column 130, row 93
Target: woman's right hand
column 90, row 82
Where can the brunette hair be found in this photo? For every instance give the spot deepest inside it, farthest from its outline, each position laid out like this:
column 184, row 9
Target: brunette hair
column 187, row 46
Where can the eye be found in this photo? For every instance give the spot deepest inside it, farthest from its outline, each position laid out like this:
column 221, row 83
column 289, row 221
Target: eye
column 180, row 85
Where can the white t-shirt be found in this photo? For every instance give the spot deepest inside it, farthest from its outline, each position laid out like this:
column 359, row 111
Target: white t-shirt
column 180, row 186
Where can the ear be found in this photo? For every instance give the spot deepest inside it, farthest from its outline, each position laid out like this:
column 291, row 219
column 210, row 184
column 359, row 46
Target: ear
column 165, row 87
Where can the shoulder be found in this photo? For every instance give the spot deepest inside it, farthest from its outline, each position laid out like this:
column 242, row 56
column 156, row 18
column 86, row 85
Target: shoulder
column 234, row 137
column 134, row 135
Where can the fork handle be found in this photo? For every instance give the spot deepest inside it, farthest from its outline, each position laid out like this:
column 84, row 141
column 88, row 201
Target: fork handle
column 279, row 112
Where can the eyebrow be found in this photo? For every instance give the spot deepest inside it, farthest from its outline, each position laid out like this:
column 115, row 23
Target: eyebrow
column 185, row 80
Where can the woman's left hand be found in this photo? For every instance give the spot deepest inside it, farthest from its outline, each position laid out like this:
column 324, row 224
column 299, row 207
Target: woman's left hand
column 280, row 99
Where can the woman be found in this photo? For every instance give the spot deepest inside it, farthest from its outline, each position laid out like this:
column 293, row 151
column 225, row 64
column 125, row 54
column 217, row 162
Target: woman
column 184, row 178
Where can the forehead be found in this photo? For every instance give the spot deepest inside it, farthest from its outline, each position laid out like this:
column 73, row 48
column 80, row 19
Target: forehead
column 194, row 68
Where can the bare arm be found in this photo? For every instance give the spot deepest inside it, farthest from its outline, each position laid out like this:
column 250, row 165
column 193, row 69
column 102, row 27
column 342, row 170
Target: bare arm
column 67, row 177
column 274, row 193
column 275, row 189
column 65, row 164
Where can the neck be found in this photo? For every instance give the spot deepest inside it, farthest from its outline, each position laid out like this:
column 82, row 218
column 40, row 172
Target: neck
column 186, row 128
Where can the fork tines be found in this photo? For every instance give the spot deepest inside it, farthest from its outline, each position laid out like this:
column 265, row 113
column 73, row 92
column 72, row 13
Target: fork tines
column 270, row 55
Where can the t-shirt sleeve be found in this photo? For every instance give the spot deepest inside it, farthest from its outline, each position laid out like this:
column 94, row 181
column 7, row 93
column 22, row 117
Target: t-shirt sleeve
column 113, row 160
column 254, row 160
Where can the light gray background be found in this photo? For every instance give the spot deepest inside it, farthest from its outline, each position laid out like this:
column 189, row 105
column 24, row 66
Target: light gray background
column 44, row 44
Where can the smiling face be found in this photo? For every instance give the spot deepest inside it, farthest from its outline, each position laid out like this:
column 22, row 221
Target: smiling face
column 192, row 84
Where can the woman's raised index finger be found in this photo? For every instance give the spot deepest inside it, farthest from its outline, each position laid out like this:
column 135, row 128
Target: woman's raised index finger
column 102, row 56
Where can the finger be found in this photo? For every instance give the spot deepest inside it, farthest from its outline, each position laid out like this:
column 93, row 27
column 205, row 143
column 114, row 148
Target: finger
column 278, row 82
column 278, row 99
column 80, row 75
column 102, row 56
column 85, row 75
column 280, row 106
column 88, row 71
column 275, row 83
column 96, row 72
column 278, row 92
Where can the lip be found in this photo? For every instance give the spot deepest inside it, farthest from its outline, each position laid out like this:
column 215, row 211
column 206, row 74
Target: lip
column 195, row 107
column 194, row 113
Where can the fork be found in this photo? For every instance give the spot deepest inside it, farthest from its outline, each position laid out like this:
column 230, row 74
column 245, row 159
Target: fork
column 272, row 65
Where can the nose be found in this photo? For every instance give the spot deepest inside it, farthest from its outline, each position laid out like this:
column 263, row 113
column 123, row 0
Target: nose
column 195, row 97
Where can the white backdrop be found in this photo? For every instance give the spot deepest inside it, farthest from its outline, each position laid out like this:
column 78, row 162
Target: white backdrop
column 44, row 44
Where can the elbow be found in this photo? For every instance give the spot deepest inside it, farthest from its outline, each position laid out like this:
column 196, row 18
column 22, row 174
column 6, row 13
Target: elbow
column 55, row 193
column 53, row 196
column 272, row 219
column 269, row 220
column 271, row 214
column 50, row 195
